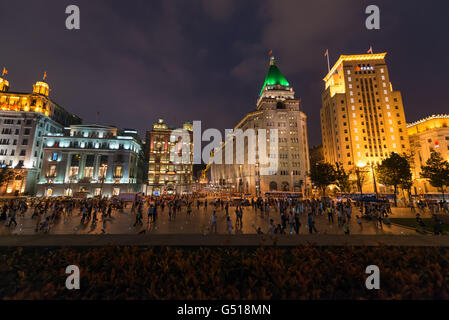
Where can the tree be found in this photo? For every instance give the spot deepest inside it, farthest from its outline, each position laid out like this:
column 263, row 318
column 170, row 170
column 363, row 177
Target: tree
column 342, row 178
column 322, row 175
column 436, row 171
column 360, row 178
column 6, row 175
column 395, row 171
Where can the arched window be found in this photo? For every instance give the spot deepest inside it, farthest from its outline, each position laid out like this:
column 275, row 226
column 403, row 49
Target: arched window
column 280, row 105
column 273, row 186
column 285, row 186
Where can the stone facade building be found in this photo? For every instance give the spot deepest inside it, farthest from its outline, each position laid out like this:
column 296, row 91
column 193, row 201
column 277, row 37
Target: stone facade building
column 91, row 160
column 25, row 118
column 362, row 117
column 165, row 177
column 276, row 108
column 425, row 135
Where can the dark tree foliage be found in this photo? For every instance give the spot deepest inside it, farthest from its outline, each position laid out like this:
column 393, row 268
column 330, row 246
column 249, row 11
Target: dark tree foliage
column 436, row 171
column 395, row 171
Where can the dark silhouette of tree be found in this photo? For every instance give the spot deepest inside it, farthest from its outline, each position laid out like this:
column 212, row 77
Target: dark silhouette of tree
column 436, row 171
column 342, row 178
column 395, row 171
column 322, row 175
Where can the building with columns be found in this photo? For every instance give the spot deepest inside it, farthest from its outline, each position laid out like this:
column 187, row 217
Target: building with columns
column 25, row 118
column 276, row 108
column 91, row 160
column 165, row 177
column 431, row 133
column 362, row 116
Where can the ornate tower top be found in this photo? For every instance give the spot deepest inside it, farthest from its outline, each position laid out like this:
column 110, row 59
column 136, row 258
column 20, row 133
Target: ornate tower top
column 41, row 87
column 274, row 79
column 4, row 84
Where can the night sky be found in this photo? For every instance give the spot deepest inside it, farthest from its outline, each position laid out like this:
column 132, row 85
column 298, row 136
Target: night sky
column 136, row 61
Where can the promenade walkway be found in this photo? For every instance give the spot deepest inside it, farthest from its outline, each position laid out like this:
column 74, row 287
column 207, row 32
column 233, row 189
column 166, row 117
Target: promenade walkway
column 197, row 223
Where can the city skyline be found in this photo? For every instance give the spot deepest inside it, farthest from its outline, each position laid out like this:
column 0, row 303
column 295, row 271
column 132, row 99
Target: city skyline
column 135, row 63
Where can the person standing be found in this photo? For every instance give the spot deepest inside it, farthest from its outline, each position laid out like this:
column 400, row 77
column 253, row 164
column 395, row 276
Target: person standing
column 229, row 225
column 12, row 215
column 272, row 227
column 330, row 215
column 213, row 222
column 169, row 211
column 311, row 224
column 189, row 209
column 297, row 223
column 150, row 213
column 346, row 228
column 155, row 213
column 359, row 221
column 291, row 221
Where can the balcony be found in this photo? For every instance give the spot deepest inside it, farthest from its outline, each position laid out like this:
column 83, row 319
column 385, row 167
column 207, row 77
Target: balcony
column 85, row 180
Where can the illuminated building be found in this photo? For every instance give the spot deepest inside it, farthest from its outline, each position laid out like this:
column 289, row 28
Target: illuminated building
column 165, row 177
column 428, row 134
column 24, row 119
column 276, row 108
column 91, row 160
column 362, row 117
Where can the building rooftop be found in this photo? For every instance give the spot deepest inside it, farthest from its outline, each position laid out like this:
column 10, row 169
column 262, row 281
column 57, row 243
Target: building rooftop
column 274, row 77
column 432, row 117
column 354, row 57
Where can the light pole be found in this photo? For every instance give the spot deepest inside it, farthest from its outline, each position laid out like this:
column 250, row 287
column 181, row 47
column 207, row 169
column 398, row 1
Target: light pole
column 374, row 181
column 103, row 175
column 360, row 165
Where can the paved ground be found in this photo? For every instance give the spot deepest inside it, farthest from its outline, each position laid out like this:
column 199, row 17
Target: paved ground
column 197, row 223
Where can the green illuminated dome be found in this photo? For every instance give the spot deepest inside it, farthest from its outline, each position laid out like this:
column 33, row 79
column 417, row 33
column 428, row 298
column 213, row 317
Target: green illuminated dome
column 274, row 77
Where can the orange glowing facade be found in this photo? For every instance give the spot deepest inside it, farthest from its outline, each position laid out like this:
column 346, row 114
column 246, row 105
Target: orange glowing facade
column 431, row 133
column 24, row 120
column 165, row 177
column 362, row 117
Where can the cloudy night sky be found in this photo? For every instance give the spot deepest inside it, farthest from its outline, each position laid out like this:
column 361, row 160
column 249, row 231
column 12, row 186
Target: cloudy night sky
column 136, row 61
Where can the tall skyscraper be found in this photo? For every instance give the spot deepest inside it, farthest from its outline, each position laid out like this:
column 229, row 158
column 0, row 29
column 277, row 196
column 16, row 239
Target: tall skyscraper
column 276, row 108
column 362, row 117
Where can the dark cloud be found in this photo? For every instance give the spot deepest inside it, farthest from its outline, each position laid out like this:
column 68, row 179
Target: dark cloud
column 137, row 61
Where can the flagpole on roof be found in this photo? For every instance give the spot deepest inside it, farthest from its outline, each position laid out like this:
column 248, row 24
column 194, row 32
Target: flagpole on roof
column 328, row 63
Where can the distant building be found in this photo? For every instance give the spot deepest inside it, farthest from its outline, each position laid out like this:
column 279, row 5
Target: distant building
column 277, row 108
column 165, row 177
column 362, row 117
column 91, row 160
column 425, row 135
column 24, row 119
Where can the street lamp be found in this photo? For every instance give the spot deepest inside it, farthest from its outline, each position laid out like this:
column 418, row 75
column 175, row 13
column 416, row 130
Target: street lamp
column 374, row 180
column 103, row 175
column 359, row 166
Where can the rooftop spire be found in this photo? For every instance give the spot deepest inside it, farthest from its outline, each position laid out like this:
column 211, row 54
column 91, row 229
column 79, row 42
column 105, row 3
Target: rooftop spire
column 274, row 76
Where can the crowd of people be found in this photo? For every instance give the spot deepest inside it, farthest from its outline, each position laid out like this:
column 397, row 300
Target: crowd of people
column 282, row 216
